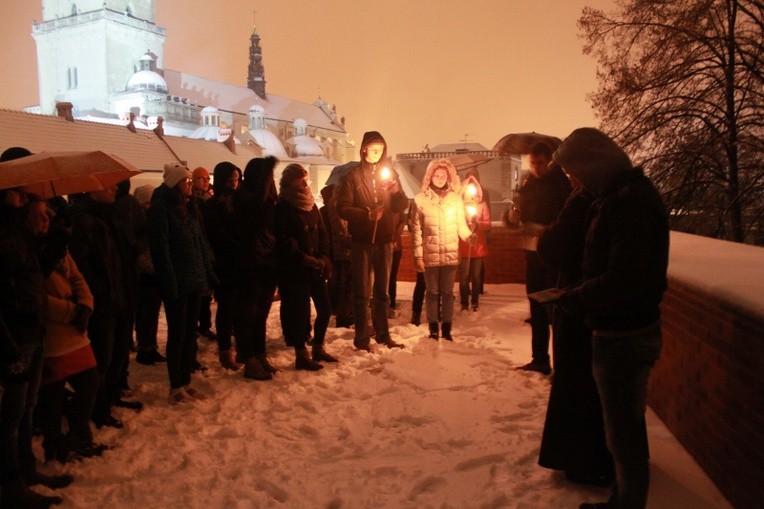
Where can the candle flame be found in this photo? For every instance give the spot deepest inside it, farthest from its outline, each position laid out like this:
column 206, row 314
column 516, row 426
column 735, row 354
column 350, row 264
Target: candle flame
column 471, row 210
column 385, row 173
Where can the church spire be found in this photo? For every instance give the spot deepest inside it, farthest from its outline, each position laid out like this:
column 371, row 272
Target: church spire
column 256, row 72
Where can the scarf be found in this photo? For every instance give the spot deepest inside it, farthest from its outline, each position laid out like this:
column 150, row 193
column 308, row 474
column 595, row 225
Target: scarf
column 301, row 199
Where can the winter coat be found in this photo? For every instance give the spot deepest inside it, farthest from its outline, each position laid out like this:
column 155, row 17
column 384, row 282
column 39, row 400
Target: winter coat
column 96, row 248
column 299, row 234
column 541, row 199
column 625, row 256
column 23, row 304
column 481, row 223
column 179, row 249
column 220, row 227
column 437, row 223
column 66, row 287
column 255, row 223
column 360, row 192
column 336, row 226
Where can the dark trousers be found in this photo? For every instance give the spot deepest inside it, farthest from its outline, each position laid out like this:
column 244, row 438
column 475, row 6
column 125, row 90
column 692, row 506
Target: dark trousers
column 252, row 305
column 147, row 313
column 392, row 289
column 621, row 369
column 78, row 410
column 296, row 291
column 417, row 299
column 341, row 292
column 205, row 313
column 225, row 296
column 470, row 280
column 101, row 331
column 538, row 277
column 16, row 415
column 371, row 263
column 182, row 315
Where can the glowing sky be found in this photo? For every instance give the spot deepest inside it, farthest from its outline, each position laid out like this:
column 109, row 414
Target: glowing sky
column 419, row 71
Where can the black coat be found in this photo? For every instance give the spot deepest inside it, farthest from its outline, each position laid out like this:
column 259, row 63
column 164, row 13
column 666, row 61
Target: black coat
column 541, row 199
column 574, row 435
column 625, row 256
column 299, row 234
column 220, row 227
column 254, row 218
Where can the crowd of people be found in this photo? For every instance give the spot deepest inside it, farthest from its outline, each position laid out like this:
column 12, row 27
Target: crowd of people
column 86, row 281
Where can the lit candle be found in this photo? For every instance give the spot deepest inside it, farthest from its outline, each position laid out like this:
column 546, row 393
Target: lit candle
column 472, row 211
column 385, row 173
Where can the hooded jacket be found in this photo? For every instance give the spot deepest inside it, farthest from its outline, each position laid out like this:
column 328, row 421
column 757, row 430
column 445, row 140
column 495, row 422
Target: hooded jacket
column 220, row 225
column 361, row 190
column 438, row 221
column 481, row 223
column 627, row 236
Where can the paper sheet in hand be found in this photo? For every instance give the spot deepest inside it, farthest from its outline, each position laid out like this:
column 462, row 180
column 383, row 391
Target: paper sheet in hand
column 548, row 296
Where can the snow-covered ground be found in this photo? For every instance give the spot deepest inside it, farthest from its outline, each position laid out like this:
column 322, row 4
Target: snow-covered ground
column 437, row 424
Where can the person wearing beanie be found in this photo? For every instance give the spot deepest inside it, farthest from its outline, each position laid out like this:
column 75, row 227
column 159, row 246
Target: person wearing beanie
column 183, row 264
column 539, row 201
column 302, row 243
column 625, row 259
column 437, row 225
column 220, row 228
column 370, row 199
column 255, row 266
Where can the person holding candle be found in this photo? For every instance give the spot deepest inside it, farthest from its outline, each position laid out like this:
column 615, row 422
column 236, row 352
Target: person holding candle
column 478, row 216
column 369, row 199
column 438, row 223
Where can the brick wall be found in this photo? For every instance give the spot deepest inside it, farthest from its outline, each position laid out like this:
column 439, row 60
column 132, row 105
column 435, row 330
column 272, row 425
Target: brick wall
column 505, row 262
column 708, row 387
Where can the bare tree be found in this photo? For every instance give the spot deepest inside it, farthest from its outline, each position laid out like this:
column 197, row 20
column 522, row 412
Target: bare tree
column 681, row 86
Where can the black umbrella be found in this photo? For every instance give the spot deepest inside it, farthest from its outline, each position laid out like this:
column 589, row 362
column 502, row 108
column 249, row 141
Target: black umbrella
column 339, row 171
column 522, row 143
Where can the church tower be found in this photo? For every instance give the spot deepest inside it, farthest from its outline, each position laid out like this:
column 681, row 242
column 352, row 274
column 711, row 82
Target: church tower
column 87, row 49
column 256, row 74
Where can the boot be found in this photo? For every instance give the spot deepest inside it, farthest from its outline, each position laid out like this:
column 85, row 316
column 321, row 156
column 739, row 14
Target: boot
column 255, row 370
column 228, row 360
column 319, row 354
column 446, row 330
column 304, row 362
column 434, row 330
column 265, row 362
column 416, row 318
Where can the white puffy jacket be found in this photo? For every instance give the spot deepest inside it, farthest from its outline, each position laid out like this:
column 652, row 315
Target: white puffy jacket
column 437, row 223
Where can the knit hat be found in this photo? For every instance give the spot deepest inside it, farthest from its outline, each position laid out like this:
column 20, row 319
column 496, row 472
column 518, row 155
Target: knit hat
column 291, row 173
column 200, row 172
column 593, row 158
column 174, row 173
column 143, row 193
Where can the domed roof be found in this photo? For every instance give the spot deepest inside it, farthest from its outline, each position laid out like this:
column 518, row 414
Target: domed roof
column 256, row 108
column 270, row 142
column 147, row 80
column 305, row 146
column 209, row 109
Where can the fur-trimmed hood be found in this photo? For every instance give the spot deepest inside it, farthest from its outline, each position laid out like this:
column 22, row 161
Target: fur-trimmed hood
column 453, row 176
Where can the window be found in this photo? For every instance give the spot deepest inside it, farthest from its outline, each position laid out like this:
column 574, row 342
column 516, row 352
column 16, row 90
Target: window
column 71, row 78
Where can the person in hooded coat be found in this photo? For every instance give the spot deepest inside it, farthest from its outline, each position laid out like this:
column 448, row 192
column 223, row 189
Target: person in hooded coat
column 438, row 223
column 220, row 227
column 256, row 270
column 478, row 215
column 370, row 198
column 625, row 259
column 302, row 242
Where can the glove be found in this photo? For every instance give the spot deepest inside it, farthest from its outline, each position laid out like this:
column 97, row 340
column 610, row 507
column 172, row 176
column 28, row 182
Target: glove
column 81, row 318
column 314, row 263
column 571, row 304
column 327, row 268
column 17, row 370
column 419, row 265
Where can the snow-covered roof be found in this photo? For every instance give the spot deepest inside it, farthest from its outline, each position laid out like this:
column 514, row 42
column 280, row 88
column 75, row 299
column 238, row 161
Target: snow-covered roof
column 458, row 147
column 270, row 142
column 305, row 145
column 147, row 80
column 240, row 99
